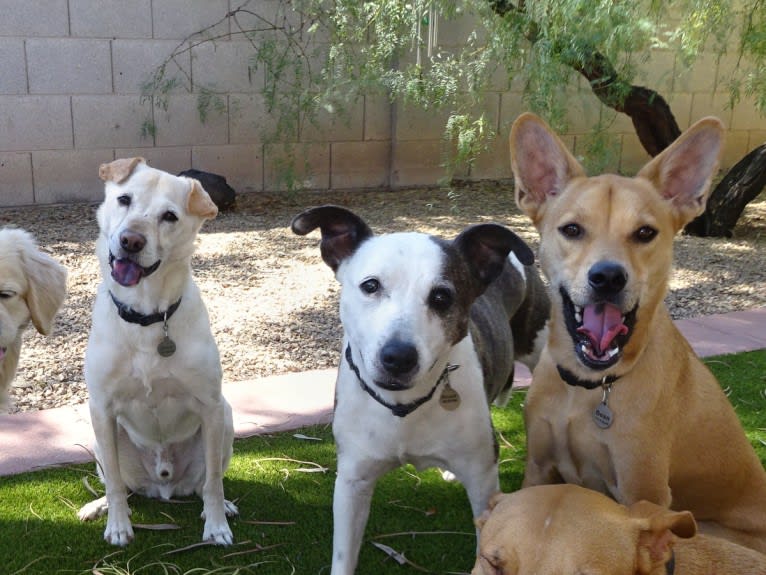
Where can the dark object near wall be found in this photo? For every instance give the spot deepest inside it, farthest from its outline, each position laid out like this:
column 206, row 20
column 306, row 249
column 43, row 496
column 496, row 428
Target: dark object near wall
column 222, row 194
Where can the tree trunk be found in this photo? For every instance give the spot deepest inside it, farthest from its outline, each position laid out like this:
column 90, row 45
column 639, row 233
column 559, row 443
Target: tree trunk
column 728, row 200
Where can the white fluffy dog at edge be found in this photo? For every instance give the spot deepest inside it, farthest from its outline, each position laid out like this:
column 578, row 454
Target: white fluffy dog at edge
column 152, row 367
column 32, row 287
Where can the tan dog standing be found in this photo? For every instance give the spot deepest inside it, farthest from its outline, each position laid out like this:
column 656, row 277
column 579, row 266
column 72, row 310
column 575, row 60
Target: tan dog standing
column 619, row 402
column 566, row 529
column 32, row 287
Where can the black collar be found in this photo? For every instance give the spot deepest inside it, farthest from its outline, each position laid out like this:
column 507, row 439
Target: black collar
column 571, row 379
column 132, row 316
column 398, row 409
column 670, row 566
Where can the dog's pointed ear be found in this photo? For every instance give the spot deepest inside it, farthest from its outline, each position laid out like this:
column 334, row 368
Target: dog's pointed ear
column 119, row 170
column 342, row 231
column 682, row 172
column 541, row 163
column 46, row 283
column 658, row 527
column 199, row 202
column 485, row 248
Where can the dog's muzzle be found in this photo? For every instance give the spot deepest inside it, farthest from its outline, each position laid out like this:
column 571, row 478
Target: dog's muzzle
column 127, row 272
column 399, row 360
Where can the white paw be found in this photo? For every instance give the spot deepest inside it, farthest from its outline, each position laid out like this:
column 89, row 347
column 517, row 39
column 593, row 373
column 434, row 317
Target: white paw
column 93, row 510
column 118, row 530
column 218, row 533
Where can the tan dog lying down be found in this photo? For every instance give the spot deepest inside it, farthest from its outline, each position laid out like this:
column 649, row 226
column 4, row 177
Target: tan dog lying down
column 619, row 402
column 568, row 530
column 32, row 286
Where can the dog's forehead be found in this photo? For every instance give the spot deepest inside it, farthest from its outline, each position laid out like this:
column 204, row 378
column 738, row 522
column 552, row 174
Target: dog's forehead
column 408, row 253
column 148, row 186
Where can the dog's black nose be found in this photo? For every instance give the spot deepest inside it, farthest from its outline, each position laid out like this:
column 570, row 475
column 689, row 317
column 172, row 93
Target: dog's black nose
column 132, row 242
column 398, row 357
column 607, row 278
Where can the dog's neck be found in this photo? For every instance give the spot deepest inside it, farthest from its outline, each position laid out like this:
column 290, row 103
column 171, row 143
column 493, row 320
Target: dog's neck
column 572, row 379
column 130, row 315
column 398, row 409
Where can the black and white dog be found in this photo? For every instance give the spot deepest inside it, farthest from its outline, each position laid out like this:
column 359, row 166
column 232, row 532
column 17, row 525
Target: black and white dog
column 432, row 328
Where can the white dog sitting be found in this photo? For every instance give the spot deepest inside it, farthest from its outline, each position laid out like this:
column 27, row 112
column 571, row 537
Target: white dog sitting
column 152, row 366
column 32, row 286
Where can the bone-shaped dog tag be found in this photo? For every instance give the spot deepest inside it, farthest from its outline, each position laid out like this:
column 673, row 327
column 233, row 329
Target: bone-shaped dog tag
column 450, row 399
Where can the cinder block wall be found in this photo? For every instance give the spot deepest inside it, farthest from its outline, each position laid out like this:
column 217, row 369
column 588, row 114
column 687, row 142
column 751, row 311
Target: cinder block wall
column 70, row 98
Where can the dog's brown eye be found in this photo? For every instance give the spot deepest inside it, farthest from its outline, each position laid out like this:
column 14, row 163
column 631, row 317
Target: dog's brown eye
column 6, row 294
column 572, row 231
column 169, row 217
column 440, row 299
column 645, row 234
column 370, row 286
column 124, row 200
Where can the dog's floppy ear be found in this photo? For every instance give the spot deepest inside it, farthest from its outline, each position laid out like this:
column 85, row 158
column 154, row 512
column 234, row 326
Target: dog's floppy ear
column 541, row 163
column 657, row 528
column 485, row 248
column 46, row 283
column 119, row 170
column 199, row 202
column 683, row 171
column 342, row 231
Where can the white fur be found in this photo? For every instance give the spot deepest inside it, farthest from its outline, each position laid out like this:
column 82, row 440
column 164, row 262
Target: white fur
column 150, row 413
column 32, row 286
column 370, row 439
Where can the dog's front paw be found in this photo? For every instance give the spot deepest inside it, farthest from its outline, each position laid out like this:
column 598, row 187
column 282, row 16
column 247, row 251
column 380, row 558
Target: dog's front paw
column 218, row 533
column 230, row 509
column 118, row 530
column 93, row 510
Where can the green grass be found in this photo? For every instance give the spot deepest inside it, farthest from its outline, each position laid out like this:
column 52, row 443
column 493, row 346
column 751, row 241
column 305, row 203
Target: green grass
column 286, row 517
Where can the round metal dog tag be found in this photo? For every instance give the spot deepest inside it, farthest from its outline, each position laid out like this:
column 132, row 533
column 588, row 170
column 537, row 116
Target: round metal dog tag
column 450, row 399
column 166, row 347
column 602, row 415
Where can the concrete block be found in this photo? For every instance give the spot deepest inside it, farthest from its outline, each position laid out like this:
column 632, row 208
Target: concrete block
column 226, row 67
column 135, row 62
column 745, row 116
column 249, row 119
column 13, row 74
column 70, row 175
column 495, row 162
column 417, row 163
column 309, row 168
column 735, row 148
column 681, row 104
column 659, row 73
column 38, row 18
column 700, row 78
column 360, row 164
column 35, row 122
column 110, row 121
column 16, row 179
column 173, row 160
column 69, row 66
column 711, row 104
column 511, row 107
column 181, row 124
column 177, row 19
column 241, row 165
column 414, row 123
column 377, row 118
column 757, row 138
column 633, row 156
column 331, row 126
column 111, row 18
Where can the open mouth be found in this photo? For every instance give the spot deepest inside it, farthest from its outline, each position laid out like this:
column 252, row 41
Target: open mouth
column 599, row 331
column 392, row 385
column 128, row 272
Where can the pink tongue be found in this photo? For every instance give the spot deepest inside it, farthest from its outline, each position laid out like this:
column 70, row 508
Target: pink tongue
column 126, row 272
column 602, row 323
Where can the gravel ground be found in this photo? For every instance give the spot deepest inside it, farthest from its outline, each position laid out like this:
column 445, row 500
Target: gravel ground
column 273, row 303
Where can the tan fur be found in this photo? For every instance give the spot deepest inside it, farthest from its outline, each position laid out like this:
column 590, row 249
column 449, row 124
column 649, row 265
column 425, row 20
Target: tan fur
column 675, row 440
column 32, row 287
column 566, row 529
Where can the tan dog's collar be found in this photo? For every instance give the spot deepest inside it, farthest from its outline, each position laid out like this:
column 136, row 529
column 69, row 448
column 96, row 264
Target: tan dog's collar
column 130, row 315
column 571, row 379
